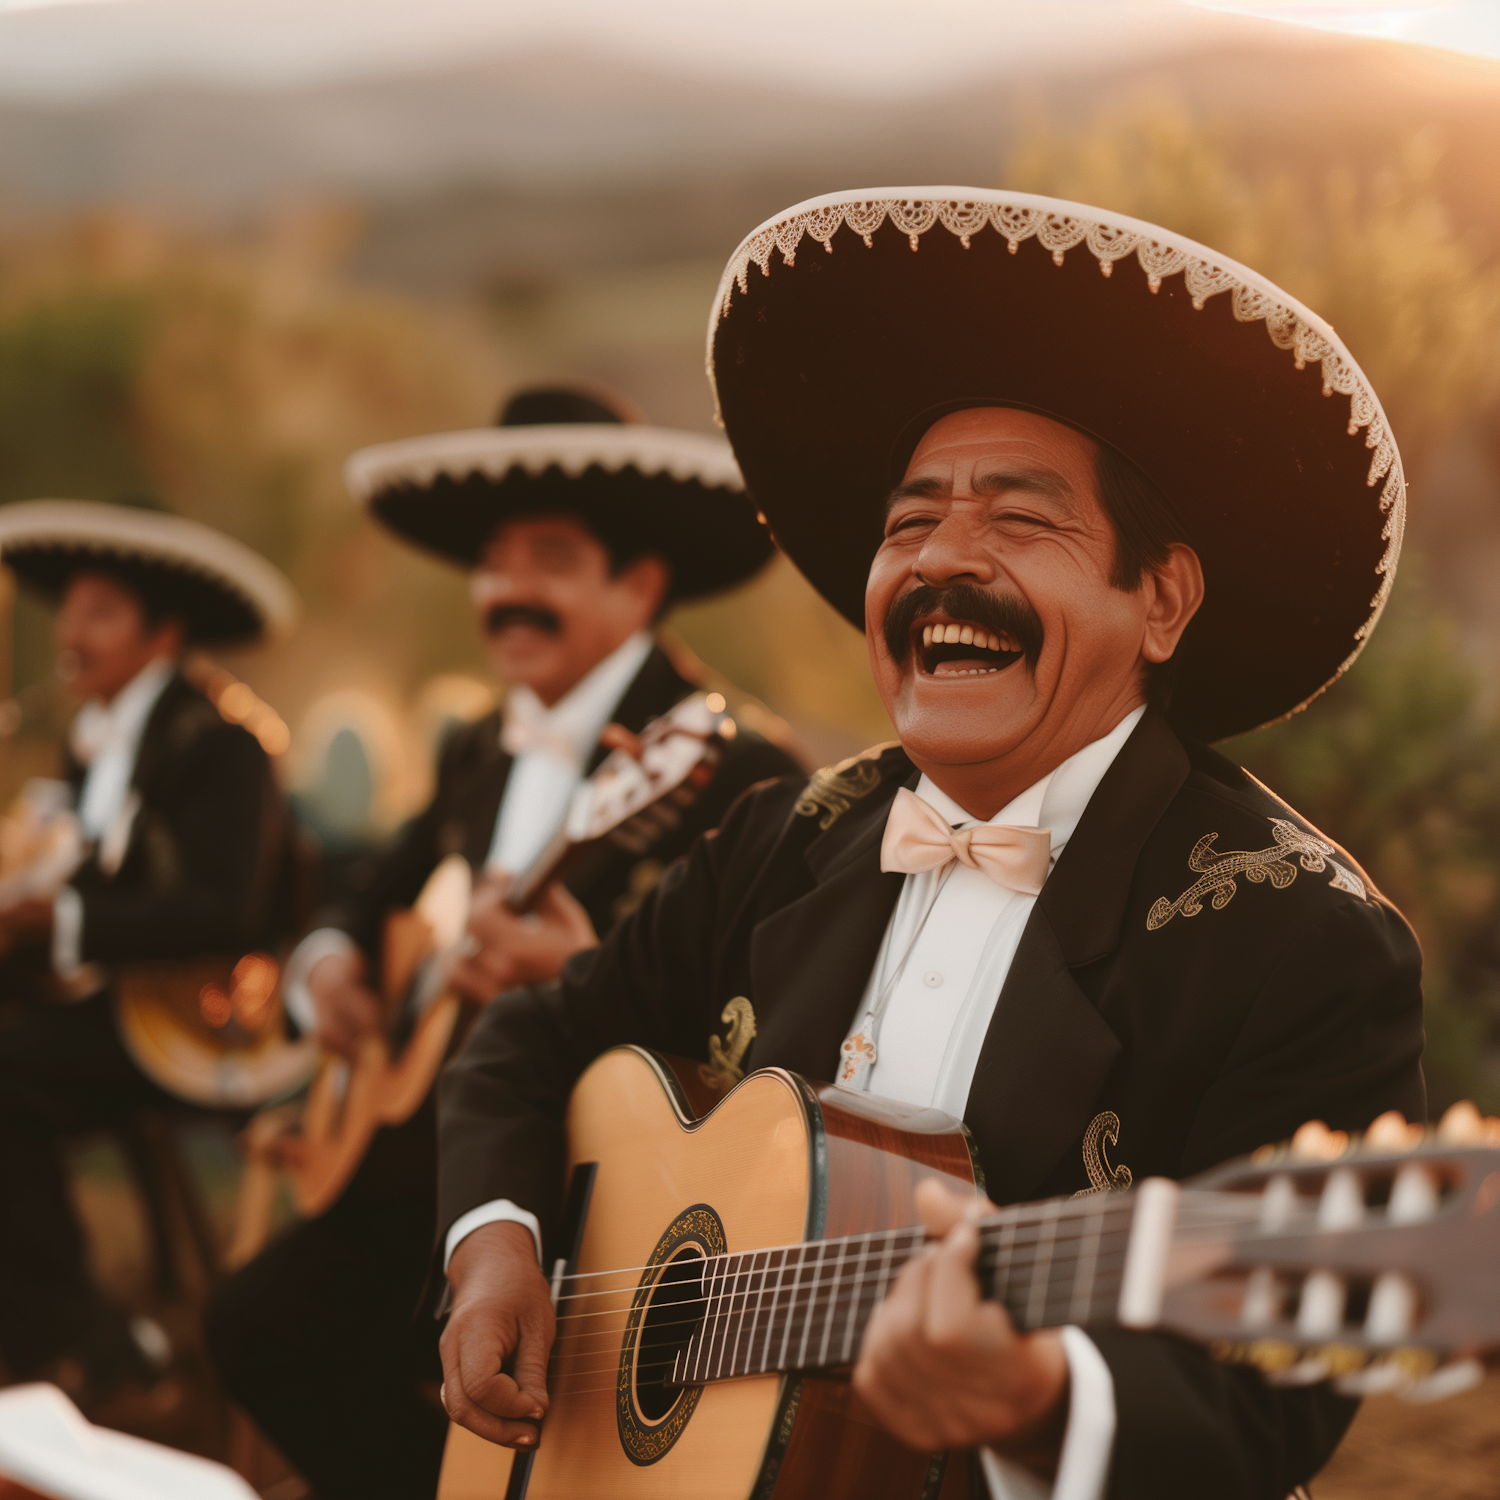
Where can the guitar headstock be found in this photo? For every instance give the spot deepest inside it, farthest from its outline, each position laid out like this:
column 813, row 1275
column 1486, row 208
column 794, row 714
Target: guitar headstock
column 1371, row 1259
column 638, row 793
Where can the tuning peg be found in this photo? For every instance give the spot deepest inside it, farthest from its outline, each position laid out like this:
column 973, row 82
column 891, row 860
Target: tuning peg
column 1314, row 1141
column 1390, row 1132
column 1462, row 1125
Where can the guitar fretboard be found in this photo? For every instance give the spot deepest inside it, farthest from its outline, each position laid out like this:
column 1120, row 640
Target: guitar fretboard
column 805, row 1306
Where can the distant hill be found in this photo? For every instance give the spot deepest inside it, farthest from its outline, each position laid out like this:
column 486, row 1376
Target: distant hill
column 564, row 160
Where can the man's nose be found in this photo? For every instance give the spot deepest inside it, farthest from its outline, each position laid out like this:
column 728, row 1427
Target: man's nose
column 953, row 552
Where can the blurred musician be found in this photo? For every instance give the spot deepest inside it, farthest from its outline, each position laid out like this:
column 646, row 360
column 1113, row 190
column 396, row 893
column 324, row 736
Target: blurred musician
column 580, row 529
column 179, row 828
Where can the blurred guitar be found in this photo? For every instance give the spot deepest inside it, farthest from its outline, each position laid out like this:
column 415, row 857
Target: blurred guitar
column 755, row 1241
column 636, row 794
column 209, row 1028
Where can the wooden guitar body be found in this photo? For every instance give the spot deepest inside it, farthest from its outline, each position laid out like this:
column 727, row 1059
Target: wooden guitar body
column 772, row 1163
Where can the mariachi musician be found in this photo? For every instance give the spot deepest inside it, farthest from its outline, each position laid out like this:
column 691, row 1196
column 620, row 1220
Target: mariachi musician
column 1098, row 496
column 580, row 528
column 182, row 832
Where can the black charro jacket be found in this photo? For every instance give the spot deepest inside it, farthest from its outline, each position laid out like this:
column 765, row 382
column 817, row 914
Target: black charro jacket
column 204, row 856
column 472, row 772
column 1200, row 961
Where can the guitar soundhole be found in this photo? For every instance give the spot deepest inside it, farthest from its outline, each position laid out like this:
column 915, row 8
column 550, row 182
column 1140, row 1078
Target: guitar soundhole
column 675, row 1309
column 650, row 1414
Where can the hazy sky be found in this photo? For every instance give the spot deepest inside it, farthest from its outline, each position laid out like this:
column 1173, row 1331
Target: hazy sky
column 865, row 47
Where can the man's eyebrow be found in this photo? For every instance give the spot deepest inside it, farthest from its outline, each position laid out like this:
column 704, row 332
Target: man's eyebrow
column 1045, row 482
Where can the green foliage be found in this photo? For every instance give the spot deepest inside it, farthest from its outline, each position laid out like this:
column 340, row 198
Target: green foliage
column 67, row 401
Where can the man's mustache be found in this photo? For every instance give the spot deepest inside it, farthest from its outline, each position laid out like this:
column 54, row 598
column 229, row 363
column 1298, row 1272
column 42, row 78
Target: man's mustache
column 500, row 617
column 1002, row 614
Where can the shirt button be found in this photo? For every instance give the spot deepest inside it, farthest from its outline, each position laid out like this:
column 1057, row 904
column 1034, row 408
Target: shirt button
column 932, row 979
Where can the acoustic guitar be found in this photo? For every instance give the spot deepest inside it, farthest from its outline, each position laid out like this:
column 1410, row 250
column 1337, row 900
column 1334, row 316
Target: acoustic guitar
column 207, row 1028
column 725, row 1254
column 638, row 792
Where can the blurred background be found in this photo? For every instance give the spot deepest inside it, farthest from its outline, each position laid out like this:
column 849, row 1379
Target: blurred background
column 239, row 240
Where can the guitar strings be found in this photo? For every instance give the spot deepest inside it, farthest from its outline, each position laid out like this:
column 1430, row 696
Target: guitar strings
column 850, row 1295
column 1032, row 1234
column 1017, row 1253
column 794, row 1297
column 994, row 1224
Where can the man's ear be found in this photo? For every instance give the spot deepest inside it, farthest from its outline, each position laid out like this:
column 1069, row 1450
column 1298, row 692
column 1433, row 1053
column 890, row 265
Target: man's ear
column 169, row 638
column 648, row 577
column 1177, row 592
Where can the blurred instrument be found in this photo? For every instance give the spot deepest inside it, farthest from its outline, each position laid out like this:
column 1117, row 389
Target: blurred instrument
column 757, row 1239
column 208, row 1028
column 636, row 794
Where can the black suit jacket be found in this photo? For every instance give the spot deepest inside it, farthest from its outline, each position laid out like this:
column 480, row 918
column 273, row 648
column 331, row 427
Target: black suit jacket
column 1285, row 989
column 472, row 772
column 200, row 868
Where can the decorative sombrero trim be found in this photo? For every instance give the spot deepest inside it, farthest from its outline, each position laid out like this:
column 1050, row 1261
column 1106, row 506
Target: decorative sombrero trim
column 1059, row 228
column 122, row 531
column 572, row 447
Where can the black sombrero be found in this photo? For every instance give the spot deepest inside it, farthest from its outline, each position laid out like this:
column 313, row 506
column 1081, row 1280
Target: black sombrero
column 225, row 593
column 639, row 488
column 843, row 320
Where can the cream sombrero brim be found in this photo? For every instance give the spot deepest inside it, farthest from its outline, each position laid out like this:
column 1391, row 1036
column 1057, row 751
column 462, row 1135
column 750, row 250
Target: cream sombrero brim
column 845, row 320
column 572, row 447
column 644, row 488
column 67, row 533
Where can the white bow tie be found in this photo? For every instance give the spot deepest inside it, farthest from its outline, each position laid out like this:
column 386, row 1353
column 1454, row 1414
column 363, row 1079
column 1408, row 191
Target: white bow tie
column 917, row 838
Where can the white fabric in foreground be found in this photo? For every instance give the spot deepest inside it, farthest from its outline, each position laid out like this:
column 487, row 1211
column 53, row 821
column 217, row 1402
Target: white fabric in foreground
column 46, row 1445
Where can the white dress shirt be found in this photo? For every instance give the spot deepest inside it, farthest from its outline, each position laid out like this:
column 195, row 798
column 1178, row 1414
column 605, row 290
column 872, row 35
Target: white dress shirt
column 551, row 747
column 106, row 738
column 946, row 954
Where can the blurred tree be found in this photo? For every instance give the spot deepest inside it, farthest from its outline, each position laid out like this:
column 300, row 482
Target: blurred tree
column 1400, row 762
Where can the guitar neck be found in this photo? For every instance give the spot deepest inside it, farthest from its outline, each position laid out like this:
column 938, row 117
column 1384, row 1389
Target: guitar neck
column 805, row 1306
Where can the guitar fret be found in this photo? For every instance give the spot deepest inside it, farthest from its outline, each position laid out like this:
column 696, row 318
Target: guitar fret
column 786, row 1321
column 808, row 1310
column 765, row 1348
column 851, row 1320
column 1083, row 1278
column 734, row 1364
column 833, row 1302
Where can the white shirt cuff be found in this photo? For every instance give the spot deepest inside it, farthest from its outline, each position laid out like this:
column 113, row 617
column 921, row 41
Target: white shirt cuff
column 67, row 933
column 497, row 1211
column 1088, row 1443
column 296, row 998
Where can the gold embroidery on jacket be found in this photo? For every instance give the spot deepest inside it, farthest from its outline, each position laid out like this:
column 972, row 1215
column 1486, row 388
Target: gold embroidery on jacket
column 723, row 1069
column 1218, row 871
column 834, row 789
column 1104, row 1129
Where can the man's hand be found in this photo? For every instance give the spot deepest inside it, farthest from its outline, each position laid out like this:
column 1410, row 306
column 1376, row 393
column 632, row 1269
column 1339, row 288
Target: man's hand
column 941, row 1368
column 346, row 1007
column 516, row 950
column 502, row 1315
column 24, row 923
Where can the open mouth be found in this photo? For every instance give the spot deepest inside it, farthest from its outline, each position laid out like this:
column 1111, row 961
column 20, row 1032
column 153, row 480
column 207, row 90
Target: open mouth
column 959, row 648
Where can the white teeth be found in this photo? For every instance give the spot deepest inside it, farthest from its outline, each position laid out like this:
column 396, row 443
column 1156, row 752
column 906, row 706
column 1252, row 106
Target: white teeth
column 951, row 634
column 994, row 643
column 927, row 635
column 966, row 635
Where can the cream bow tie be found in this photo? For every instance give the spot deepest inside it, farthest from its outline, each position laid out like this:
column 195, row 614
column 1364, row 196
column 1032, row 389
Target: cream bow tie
column 527, row 725
column 917, row 839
